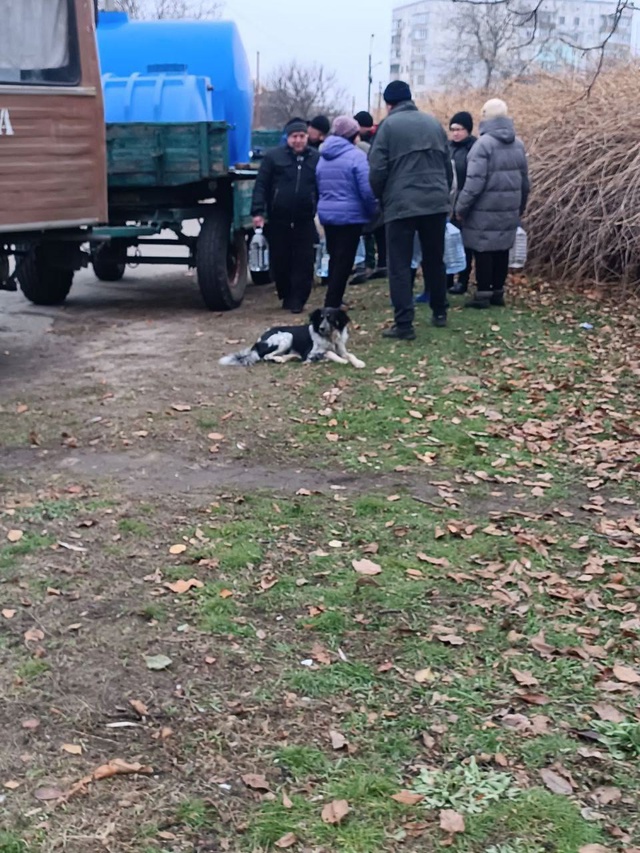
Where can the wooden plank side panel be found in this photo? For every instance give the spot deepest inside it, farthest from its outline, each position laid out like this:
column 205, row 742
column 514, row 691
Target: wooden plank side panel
column 51, row 167
column 169, row 155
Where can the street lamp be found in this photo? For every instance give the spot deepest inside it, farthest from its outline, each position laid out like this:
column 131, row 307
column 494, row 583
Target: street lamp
column 371, row 67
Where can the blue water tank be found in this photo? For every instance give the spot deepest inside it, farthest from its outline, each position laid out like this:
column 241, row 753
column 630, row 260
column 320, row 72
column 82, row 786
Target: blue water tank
column 204, row 59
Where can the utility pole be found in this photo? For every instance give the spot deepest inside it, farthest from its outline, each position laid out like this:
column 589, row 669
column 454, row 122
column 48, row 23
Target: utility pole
column 370, row 73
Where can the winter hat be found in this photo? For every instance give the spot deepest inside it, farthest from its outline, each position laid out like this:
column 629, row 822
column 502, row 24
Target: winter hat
column 345, row 126
column 295, row 125
column 464, row 119
column 364, row 119
column 495, row 108
column 396, row 92
column 321, row 123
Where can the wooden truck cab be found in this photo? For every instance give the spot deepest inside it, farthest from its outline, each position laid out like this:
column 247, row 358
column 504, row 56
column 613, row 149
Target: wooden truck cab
column 52, row 143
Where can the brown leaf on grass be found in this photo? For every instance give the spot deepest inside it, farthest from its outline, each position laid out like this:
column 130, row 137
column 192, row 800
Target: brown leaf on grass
column 177, row 549
column 524, row 678
column 332, row 436
column 12, row 785
column 556, row 783
column 596, row 848
column 434, row 561
column 626, row 674
column 335, row 812
column 72, row 748
column 255, row 781
column 225, row 593
column 181, row 585
column 609, row 713
column 371, row 548
column 15, row 535
column 320, row 654
column 606, row 794
column 287, row 840
column 451, row 639
column 139, row 707
column 541, row 646
column 8, row 614
column 338, row 740
column 48, row 793
column 425, row 675
column 451, row 821
column 33, row 635
column 407, row 798
column 286, row 802
column 533, row 698
column 366, row 567
column 118, row 767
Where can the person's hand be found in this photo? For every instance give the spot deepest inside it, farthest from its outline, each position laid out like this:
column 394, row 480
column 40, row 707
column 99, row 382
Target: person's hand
column 258, row 221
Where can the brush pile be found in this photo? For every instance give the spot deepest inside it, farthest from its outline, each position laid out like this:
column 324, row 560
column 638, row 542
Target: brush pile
column 583, row 218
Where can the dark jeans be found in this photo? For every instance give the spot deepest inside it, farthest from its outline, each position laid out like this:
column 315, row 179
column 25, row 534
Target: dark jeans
column 342, row 245
column 292, row 256
column 400, row 233
column 491, row 270
column 463, row 277
column 369, row 252
column 380, row 235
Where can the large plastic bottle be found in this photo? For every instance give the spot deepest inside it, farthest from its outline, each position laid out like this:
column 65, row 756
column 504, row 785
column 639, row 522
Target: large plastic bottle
column 259, row 252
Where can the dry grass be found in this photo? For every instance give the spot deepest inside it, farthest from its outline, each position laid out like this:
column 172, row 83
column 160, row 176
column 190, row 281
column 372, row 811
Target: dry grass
column 584, row 212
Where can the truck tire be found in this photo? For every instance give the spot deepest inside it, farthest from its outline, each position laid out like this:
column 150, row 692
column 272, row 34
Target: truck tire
column 41, row 282
column 4, row 268
column 221, row 262
column 261, row 278
column 107, row 270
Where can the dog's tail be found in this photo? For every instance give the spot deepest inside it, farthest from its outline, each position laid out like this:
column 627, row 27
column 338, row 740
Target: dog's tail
column 244, row 358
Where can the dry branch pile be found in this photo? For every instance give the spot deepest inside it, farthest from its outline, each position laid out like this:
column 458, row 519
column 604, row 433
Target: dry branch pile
column 583, row 219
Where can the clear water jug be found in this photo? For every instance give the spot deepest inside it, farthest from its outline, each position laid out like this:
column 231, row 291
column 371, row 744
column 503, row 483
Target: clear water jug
column 322, row 260
column 259, row 252
column 518, row 252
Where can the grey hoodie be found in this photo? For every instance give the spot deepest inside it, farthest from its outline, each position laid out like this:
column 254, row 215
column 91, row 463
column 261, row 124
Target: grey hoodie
column 495, row 192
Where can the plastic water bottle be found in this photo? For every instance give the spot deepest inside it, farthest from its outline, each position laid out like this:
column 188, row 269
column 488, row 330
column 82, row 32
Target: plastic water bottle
column 518, row 253
column 259, row 252
column 322, row 260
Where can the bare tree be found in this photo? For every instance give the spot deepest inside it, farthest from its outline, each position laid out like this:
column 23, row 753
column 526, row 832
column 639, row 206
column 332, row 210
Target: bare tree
column 299, row 90
column 157, row 9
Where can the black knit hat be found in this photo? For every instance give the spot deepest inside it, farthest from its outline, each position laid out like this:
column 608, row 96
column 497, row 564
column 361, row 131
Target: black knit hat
column 364, row 118
column 295, row 125
column 321, row 123
column 396, row 92
column 464, row 119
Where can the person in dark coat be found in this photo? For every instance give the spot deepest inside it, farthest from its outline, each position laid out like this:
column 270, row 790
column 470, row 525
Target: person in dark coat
column 318, row 129
column 411, row 174
column 285, row 194
column 345, row 202
column 461, row 141
column 493, row 199
column 375, row 238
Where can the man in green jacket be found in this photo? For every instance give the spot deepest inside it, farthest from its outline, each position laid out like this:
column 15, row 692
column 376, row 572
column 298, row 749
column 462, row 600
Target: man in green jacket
column 411, row 174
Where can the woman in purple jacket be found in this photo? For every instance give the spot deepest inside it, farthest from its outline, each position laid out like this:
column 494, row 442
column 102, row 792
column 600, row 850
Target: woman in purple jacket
column 345, row 202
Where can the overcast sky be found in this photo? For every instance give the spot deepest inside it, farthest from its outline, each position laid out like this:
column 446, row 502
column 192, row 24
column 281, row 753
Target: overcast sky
column 336, row 33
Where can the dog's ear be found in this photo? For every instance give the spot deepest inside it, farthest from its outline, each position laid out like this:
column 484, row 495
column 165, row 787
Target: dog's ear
column 340, row 319
column 315, row 317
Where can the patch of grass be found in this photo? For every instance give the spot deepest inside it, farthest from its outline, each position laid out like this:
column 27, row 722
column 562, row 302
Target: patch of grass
column 338, row 679
column 135, row 527
column 302, row 761
column 195, row 814
column 10, row 843
column 32, row 669
column 50, row 510
column 154, row 612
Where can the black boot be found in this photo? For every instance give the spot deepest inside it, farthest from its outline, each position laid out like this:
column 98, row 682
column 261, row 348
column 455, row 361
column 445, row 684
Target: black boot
column 482, row 299
column 497, row 298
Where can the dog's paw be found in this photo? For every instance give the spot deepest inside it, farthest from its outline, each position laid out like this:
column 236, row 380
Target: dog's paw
column 358, row 364
column 278, row 359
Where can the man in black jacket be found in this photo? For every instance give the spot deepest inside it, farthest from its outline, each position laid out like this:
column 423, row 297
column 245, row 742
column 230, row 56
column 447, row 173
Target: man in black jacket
column 411, row 173
column 285, row 194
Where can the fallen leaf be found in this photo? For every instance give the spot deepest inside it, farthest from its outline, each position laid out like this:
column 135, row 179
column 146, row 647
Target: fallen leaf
column 253, row 780
column 225, row 593
column 215, row 436
column 595, row 848
column 33, row 635
column 434, row 561
column 335, row 812
column 286, row 802
column 177, row 549
column 608, row 713
column 31, row 725
column 338, row 741
column 139, row 707
column 626, row 674
column 556, row 783
column 181, row 407
column 606, row 794
column 48, row 793
column 72, row 748
column 332, row 436
column 304, row 493
column 524, row 678
column 287, row 840
column 451, row 821
column 407, row 798
column 423, row 676
column 8, row 614
column 118, row 767
column 451, row 639
column 11, row 785
column 366, row 567
column 181, row 586
column 157, row 661
column 15, row 535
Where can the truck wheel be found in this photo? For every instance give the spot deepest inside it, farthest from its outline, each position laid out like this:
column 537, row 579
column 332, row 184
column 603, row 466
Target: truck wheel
column 221, row 262
column 41, row 282
column 4, row 268
column 260, row 278
column 107, row 270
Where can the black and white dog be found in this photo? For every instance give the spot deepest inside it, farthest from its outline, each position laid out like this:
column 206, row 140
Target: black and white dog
column 325, row 337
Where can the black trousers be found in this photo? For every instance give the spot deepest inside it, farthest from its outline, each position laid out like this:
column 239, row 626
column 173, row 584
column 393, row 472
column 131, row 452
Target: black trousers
column 463, row 277
column 292, row 257
column 380, row 235
column 400, row 234
column 491, row 270
column 342, row 245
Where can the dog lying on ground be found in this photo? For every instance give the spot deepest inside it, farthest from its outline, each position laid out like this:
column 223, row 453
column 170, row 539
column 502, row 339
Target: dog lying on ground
column 324, row 338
